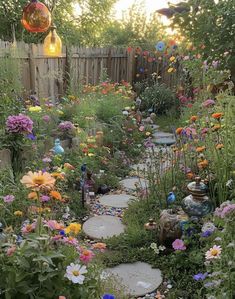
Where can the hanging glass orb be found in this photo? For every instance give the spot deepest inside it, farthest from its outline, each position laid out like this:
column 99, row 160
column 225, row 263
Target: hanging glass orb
column 52, row 45
column 36, row 17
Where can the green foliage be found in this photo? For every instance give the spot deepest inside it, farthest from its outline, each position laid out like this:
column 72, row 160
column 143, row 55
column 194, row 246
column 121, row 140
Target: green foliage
column 210, row 23
column 160, row 98
column 134, row 29
column 37, row 268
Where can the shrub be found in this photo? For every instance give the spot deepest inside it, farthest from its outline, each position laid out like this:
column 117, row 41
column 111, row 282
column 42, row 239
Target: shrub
column 160, row 98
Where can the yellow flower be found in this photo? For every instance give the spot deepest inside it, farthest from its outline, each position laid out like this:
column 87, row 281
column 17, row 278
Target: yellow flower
column 38, row 180
column 91, row 155
column 18, row 213
column 73, row 228
column 91, row 140
column 172, row 58
column 71, row 98
column 60, row 112
column 171, row 70
column 35, row 109
column 147, row 133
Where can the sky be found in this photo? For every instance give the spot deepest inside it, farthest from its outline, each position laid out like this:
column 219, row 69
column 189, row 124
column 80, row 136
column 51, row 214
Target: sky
column 150, row 5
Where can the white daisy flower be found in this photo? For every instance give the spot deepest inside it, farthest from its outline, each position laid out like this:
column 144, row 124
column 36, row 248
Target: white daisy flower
column 74, row 272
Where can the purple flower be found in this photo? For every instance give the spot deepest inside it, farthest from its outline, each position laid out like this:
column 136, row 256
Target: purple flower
column 200, row 276
column 46, row 118
column 31, row 136
column 148, row 143
column 208, row 103
column 66, row 126
column 178, row 245
column 215, row 64
column 45, row 198
column 19, row 124
column 9, row 198
column 225, row 208
column 46, row 160
column 206, row 234
column 108, row 296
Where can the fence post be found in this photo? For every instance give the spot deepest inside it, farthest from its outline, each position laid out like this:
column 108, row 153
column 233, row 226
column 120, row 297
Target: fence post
column 131, row 66
column 67, row 68
column 32, row 68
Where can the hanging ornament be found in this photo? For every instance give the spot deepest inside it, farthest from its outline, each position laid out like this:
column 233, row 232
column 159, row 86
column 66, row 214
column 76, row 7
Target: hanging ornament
column 36, row 17
column 160, row 46
column 52, row 45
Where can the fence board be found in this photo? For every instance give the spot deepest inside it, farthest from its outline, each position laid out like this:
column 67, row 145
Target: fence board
column 48, row 77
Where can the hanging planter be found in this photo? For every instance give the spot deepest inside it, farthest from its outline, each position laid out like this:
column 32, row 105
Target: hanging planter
column 36, row 17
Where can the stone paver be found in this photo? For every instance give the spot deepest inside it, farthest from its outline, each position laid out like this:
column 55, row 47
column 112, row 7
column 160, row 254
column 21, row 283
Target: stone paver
column 116, row 200
column 130, row 183
column 164, row 141
column 138, row 278
column 103, row 227
column 160, row 134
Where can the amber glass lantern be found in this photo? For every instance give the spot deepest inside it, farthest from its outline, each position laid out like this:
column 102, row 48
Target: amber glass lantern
column 36, row 17
column 52, row 45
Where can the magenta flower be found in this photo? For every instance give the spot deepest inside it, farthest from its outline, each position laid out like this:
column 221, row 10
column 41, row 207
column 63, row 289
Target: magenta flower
column 86, row 256
column 208, row 103
column 44, row 198
column 19, row 124
column 225, row 209
column 46, row 118
column 66, row 126
column 8, row 198
column 178, row 245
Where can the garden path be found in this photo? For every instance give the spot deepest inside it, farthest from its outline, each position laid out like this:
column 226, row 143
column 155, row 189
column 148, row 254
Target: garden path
column 138, row 278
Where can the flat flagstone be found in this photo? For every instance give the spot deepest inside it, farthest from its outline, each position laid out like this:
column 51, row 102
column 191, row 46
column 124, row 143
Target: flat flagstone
column 138, row 278
column 140, row 167
column 116, row 200
column 131, row 183
column 159, row 134
column 155, row 127
column 103, row 227
column 164, row 141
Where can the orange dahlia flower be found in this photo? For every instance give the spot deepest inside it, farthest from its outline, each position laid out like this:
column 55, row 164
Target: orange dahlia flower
column 178, row 131
column 194, row 118
column 200, row 149
column 217, row 115
column 203, row 164
column 219, row 146
column 56, row 195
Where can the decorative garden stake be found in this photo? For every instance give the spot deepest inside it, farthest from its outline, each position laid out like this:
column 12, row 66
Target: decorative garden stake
column 197, row 203
column 36, row 17
column 52, row 45
column 83, row 182
column 58, row 149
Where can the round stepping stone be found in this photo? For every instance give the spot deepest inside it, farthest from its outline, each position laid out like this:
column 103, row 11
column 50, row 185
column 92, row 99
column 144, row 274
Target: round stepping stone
column 138, row 278
column 116, row 200
column 103, row 227
column 165, row 141
column 163, row 135
column 131, row 183
column 140, row 167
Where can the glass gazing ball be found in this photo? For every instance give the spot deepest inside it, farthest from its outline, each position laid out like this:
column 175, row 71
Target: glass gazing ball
column 36, row 17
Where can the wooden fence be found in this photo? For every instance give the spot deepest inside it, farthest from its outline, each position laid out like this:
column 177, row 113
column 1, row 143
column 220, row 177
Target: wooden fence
column 51, row 77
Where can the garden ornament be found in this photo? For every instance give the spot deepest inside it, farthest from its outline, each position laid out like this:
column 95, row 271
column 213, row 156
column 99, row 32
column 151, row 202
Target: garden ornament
column 197, row 203
column 58, row 149
column 36, row 17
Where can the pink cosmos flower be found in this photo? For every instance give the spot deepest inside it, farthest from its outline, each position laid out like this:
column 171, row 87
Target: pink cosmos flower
column 28, row 228
column 141, row 128
column 178, row 245
column 70, row 241
column 9, row 198
column 11, row 250
column 46, row 118
column 44, row 198
column 86, row 256
column 54, row 225
column 208, row 103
